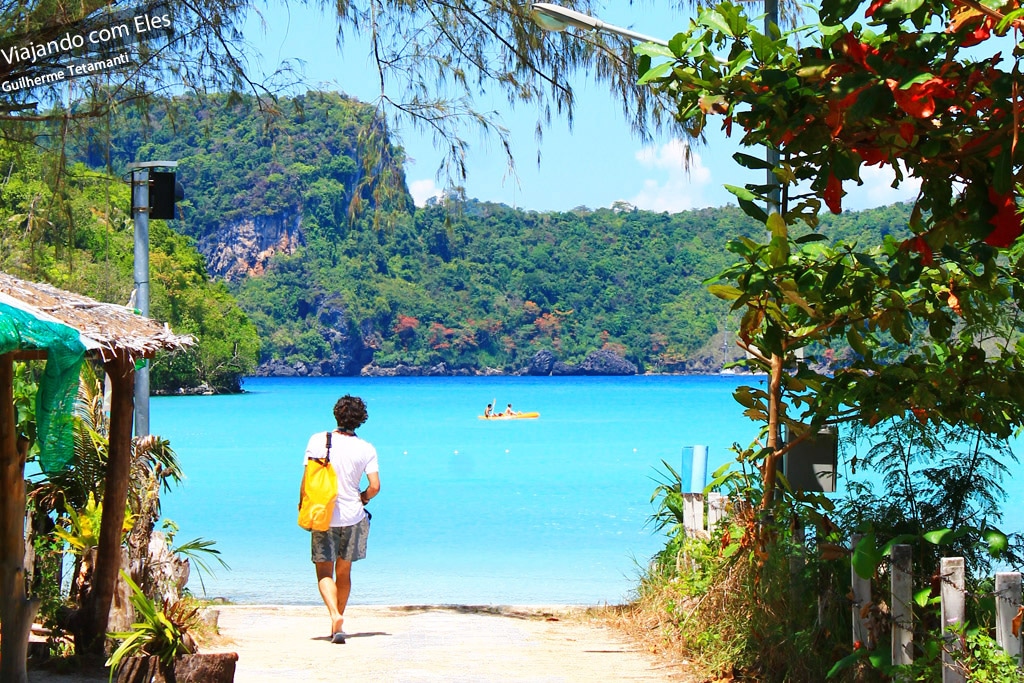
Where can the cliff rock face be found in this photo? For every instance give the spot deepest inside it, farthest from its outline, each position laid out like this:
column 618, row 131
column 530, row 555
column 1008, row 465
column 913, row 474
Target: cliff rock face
column 348, row 354
column 243, row 248
column 604, row 362
column 541, row 363
column 600, row 362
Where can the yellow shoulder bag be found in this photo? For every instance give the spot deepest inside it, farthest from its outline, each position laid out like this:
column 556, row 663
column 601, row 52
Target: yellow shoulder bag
column 318, row 493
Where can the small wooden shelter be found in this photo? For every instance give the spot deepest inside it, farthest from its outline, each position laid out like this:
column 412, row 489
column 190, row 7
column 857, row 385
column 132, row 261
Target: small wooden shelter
column 116, row 337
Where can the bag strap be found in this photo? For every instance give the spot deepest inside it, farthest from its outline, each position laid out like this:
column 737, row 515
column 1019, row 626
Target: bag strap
column 327, row 458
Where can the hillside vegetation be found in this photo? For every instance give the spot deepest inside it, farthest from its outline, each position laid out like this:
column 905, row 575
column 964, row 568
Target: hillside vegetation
column 463, row 286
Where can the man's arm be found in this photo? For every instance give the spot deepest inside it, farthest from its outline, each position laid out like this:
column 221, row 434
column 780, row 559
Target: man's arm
column 372, row 488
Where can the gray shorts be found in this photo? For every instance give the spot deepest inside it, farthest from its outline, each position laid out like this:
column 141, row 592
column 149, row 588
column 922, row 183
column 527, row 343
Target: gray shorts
column 341, row 542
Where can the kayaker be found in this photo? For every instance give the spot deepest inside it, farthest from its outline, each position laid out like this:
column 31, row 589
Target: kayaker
column 508, row 410
column 487, row 410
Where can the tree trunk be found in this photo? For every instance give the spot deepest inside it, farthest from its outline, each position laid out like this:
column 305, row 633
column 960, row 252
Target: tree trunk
column 96, row 606
column 16, row 610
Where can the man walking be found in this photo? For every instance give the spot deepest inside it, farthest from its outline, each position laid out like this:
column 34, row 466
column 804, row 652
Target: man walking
column 335, row 550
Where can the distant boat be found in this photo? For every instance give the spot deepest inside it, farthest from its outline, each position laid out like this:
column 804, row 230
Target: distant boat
column 514, row 416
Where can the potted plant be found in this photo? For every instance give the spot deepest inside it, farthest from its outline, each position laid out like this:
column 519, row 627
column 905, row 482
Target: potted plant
column 160, row 649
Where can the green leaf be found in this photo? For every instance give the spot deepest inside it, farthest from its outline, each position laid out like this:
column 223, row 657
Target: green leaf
column 655, row 50
column 764, row 48
column 895, row 9
column 655, row 73
column 922, row 597
column 777, row 224
column 866, row 558
column 833, row 277
column 716, row 22
column 727, row 292
column 857, row 342
column 753, row 210
column 752, row 162
column 837, row 11
column 844, row 663
column 811, row 237
column 940, row 536
column 997, row 542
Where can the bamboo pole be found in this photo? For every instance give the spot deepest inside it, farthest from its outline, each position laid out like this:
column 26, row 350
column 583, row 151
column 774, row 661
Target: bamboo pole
column 16, row 610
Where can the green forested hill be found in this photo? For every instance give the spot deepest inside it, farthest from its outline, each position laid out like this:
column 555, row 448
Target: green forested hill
column 469, row 285
column 71, row 227
column 490, row 286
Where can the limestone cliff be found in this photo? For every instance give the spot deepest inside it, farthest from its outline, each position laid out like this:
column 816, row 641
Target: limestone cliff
column 243, row 248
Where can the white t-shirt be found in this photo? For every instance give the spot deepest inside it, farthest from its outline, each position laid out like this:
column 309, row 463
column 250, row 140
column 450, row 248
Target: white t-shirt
column 351, row 457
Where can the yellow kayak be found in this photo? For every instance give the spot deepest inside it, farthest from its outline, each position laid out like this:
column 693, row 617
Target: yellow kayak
column 517, row 416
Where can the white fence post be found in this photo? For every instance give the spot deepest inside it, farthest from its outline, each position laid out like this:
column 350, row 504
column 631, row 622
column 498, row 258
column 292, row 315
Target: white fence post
column 693, row 514
column 902, row 606
column 1008, row 603
column 716, row 510
column 953, row 603
column 861, row 599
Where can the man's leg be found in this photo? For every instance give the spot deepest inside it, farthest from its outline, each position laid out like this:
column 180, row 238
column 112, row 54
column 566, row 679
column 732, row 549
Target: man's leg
column 343, row 583
column 329, row 592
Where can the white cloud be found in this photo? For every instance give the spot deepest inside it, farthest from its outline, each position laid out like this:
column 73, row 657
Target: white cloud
column 422, row 190
column 877, row 189
column 676, row 188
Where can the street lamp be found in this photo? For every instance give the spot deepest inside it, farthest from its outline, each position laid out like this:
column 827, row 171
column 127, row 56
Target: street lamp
column 555, row 18
column 142, row 207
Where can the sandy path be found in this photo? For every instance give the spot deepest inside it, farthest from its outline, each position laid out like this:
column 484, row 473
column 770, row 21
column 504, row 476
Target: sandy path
column 410, row 644
column 414, row 644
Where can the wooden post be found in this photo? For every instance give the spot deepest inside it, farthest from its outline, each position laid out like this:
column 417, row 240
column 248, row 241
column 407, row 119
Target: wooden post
column 96, row 609
column 16, row 610
column 1008, row 603
column 953, row 603
column 716, row 510
column 902, row 611
column 693, row 514
column 861, row 589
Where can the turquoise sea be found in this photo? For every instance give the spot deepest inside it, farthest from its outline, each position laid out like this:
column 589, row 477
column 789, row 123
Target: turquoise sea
column 546, row 511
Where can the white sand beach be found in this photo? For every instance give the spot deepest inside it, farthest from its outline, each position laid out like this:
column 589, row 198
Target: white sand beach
column 429, row 643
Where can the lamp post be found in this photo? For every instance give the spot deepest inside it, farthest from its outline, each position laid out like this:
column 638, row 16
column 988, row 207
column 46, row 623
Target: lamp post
column 556, row 18
column 140, row 213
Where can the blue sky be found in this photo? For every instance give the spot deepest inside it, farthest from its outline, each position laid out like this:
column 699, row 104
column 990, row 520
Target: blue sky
column 597, row 162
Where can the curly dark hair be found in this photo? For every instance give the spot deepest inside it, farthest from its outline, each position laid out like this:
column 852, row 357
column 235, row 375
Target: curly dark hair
column 350, row 412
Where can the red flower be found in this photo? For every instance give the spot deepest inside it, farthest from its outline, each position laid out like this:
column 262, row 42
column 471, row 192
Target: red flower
column 857, row 51
column 871, row 155
column 918, row 99
column 1006, row 221
column 875, row 6
column 921, row 246
column 834, row 194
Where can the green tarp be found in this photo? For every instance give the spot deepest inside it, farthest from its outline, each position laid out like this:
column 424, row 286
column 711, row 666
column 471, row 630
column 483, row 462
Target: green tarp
column 55, row 400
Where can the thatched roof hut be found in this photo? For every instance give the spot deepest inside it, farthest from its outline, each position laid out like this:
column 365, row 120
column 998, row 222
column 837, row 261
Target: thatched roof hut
column 117, row 337
column 105, row 329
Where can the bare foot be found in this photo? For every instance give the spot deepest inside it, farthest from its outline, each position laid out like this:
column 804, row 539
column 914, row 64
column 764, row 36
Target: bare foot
column 336, row 625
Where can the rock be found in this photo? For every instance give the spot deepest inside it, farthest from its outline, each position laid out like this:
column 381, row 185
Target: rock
column 201, row 668
column 605, row 362
column 560, row 369
column 242, row 248
column 542, row 363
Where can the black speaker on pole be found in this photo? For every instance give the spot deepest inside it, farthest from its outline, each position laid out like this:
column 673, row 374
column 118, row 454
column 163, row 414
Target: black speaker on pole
column 164, row 191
